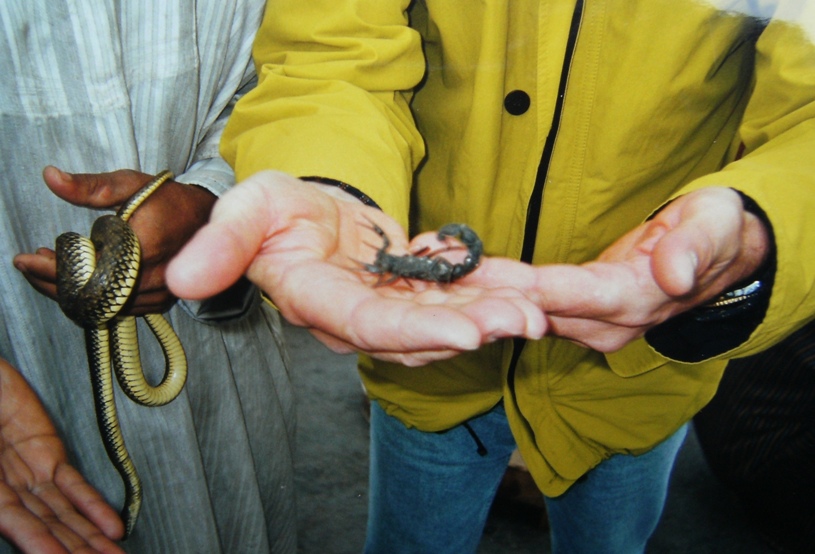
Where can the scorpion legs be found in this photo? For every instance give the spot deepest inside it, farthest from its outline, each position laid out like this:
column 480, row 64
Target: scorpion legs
column 426, row 266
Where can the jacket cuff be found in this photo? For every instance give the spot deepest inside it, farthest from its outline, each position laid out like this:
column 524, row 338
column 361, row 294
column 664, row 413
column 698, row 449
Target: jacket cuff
column 726, row 322
column 353, row 191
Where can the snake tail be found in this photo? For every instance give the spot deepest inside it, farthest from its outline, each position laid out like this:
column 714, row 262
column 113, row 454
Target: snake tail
column 95, row 278
column 127, row 361
column 108, row 421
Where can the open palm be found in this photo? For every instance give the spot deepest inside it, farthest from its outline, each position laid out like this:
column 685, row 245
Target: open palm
column 45, row 504
column 304, row 245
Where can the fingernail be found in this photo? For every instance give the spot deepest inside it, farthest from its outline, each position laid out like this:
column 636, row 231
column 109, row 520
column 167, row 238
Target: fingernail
column 61, row 175
column 65, row 176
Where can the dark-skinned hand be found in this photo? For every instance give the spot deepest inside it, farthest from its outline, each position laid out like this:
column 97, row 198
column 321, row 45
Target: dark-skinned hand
column 163, row 223
column 46, row 506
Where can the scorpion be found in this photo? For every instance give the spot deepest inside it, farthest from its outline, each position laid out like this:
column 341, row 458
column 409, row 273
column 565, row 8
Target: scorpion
column 423, row 266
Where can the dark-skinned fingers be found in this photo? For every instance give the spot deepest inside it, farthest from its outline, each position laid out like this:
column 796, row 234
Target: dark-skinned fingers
column 49, row 524
column 94, row 190
column 73, row 529
column 40, row 270
column 88, row 501
column 27, row 532
column 41, row 265
column 75, row 532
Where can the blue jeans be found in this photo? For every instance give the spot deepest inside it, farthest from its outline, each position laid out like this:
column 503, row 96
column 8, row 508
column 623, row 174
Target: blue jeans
column 431, row 492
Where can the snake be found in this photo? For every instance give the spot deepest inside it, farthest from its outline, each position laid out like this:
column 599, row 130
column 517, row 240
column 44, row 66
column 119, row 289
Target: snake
column 95, row 278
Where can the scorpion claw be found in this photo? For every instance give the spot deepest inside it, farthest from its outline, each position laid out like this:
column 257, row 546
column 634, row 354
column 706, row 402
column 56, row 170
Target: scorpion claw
column 423, row 265
column 422, row 251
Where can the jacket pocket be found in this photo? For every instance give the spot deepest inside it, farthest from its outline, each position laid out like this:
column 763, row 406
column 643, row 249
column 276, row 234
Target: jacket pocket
column 635, row 359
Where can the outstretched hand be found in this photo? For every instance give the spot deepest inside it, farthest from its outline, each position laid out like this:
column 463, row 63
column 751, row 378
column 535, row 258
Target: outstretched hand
column 304, row 245
column 45, row 504
column 166, row 220
column 693, row 249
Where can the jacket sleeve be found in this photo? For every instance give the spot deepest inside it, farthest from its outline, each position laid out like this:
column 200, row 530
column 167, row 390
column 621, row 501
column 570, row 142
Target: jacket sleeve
column 777, row 170
column 334, row 82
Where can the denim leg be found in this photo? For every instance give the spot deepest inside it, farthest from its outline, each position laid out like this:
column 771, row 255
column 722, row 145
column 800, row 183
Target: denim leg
column 431, row 492
column 616, row 507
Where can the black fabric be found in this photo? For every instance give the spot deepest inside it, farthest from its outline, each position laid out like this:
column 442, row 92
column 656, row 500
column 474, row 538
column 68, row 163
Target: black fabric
column 758, row 436
column 705, row 332
column 353, row 191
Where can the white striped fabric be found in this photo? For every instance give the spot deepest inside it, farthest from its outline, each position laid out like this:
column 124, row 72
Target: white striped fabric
column 94, row 86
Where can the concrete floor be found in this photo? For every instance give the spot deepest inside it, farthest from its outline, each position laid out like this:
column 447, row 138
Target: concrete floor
column 332, row 465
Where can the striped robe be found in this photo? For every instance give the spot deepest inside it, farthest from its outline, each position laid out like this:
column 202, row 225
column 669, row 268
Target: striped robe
column 93, row 86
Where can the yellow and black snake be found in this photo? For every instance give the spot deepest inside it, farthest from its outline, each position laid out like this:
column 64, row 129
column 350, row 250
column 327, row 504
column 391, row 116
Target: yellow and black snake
column 95, row 278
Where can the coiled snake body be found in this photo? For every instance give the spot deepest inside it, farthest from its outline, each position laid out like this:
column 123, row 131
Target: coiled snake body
column 92, row 292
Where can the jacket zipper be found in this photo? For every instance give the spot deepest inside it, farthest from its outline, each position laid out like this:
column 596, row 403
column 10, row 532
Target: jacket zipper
column 534, row 209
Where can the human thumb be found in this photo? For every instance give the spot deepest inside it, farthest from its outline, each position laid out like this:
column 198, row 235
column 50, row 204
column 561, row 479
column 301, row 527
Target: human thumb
column 94, row 190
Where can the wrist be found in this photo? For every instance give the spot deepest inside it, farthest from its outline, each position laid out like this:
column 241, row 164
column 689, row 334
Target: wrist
column 728, row 320
column 759, row 253
column 345, row 187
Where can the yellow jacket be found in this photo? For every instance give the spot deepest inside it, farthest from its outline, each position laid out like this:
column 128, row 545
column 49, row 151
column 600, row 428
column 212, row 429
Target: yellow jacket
column 614, row 106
